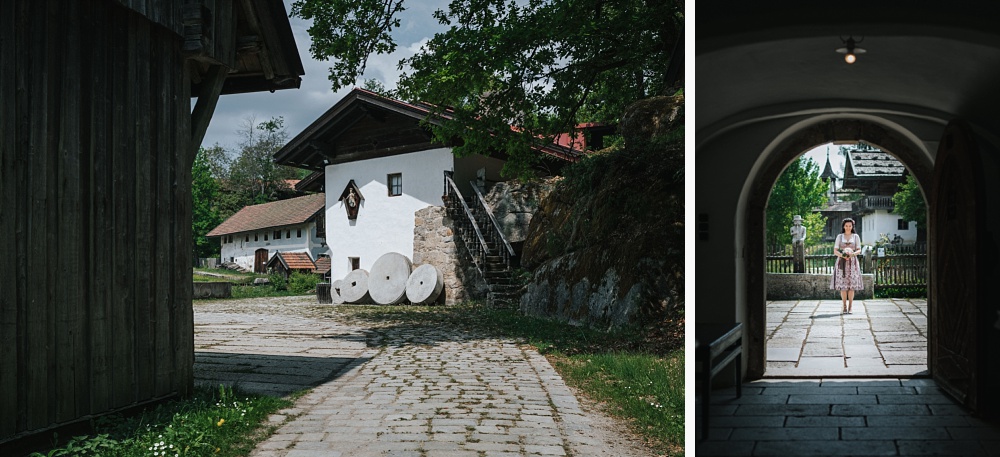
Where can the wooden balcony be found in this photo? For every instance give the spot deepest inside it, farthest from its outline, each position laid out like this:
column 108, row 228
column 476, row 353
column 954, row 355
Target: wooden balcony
column 874, row 202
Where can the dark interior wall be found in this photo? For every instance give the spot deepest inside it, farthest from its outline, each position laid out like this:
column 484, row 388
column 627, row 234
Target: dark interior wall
column 95, row 303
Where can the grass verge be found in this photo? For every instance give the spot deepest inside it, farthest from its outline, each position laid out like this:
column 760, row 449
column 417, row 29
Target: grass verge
column 214, row 422
column 636, row 375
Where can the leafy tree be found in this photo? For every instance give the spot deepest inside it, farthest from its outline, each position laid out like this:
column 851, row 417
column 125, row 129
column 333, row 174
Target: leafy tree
column 909, row 202
column 797, row 191
column 252, row 176
column 540, row 66
column 204, row 193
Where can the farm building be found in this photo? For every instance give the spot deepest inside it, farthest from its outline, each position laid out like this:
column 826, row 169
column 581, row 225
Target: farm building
column 379, row 166
column 252, row 236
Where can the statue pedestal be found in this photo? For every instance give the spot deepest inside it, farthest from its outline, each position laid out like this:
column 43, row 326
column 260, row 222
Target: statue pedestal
column 799, row 257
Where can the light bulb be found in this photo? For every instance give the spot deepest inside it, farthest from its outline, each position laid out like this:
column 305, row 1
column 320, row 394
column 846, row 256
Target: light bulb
column 849, row 58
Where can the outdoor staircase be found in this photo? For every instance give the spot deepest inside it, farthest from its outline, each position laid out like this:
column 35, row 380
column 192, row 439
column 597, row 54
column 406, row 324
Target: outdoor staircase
column 484, row 244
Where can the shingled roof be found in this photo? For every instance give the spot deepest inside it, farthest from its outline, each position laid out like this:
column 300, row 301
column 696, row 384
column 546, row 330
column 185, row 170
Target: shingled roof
column 293, row 261
column 274, row 214
column 870, row 163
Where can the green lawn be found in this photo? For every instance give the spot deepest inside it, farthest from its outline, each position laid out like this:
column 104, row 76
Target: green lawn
column 213, row 422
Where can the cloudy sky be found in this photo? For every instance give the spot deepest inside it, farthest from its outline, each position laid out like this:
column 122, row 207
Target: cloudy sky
column 300, row 107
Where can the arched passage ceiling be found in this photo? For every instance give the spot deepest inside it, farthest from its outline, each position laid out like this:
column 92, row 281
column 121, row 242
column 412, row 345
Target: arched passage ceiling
column 925, row 62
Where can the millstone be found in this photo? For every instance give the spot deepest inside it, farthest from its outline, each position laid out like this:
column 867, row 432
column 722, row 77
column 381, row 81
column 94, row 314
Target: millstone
column 425, row 285
column 387, row 281
column 334, row 287
column 354, row 287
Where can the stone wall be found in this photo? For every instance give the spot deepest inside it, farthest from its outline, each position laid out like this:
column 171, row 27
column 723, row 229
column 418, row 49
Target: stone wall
column 434, row 243
column 801, row 286
column 213, row 290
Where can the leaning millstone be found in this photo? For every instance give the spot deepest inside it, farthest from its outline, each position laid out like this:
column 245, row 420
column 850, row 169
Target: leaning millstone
column 424, row 285
column 387, row 281
column 354, row 287
column 335, row 288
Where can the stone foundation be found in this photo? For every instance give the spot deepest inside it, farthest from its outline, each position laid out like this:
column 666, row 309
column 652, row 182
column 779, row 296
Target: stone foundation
column 434, row 243
column 802, row 286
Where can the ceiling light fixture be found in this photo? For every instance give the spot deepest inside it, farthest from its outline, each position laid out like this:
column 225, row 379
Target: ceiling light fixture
column 850, row 49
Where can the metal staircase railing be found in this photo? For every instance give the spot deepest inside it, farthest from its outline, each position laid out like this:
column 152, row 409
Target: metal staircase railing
column 493, row 231
column 483, row 239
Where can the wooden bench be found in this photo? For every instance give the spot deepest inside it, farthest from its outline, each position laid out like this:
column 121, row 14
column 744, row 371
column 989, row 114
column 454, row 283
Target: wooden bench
column 717, row 345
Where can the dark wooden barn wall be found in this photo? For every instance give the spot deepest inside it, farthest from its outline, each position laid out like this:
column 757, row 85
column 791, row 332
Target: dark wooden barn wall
column 95, row 290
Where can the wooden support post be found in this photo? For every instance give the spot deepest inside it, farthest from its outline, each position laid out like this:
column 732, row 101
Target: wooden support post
column 208, row 97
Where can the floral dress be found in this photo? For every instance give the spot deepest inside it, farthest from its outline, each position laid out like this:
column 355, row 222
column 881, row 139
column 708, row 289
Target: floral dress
column 847, row 272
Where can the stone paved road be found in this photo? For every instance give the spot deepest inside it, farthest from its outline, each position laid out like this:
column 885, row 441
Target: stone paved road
column 396, row 390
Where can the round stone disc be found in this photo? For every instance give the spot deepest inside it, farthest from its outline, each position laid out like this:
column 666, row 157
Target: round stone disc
column 354, row 287
column 334, row 294
column 387, row 280
column 424, row 285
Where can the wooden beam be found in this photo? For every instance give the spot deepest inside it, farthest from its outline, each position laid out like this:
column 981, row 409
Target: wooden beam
column 208, row 97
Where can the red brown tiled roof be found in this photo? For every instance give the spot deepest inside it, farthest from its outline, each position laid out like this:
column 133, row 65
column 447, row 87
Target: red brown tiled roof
column 281, row 213
column 293, row 260
column 323, row 265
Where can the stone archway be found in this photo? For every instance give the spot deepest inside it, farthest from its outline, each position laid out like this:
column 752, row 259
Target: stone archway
column 829, row 131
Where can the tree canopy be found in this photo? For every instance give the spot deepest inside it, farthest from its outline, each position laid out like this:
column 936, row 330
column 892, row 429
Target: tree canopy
column 510, row 74
column 908, row 202
column 798, row 191
column 224, row 181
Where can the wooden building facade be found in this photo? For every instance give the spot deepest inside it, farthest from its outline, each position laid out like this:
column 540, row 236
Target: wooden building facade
column 97, row 137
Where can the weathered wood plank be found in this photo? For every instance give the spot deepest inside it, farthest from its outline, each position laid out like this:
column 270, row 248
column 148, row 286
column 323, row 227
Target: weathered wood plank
column 9, row 373
column 38, row 330
column 163, row 229
column 63, row 52
column 143, row 197
column 183, row 328
column 100, row 213
column 120, row 131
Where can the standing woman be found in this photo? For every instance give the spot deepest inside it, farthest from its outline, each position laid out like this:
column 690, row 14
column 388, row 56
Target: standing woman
column 847, row 272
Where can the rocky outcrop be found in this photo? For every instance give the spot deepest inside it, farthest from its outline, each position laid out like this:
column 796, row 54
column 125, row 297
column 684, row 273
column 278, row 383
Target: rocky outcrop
column 606, row 246
column 514, row 203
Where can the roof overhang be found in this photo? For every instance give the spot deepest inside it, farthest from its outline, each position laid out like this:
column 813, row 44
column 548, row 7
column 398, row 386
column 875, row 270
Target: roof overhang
column 260, row 54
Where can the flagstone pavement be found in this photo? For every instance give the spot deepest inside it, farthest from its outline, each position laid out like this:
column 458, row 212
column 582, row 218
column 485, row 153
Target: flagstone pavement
column 812, row 338
column 843, row 384
column 397, row 390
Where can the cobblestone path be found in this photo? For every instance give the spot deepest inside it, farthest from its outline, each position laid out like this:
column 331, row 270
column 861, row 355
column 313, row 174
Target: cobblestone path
column 405, row 391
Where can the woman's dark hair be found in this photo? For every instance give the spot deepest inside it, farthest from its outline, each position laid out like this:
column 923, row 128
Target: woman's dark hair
column 853, row 224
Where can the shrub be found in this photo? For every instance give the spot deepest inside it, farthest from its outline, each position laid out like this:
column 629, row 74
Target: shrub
column 278, row 281
column 301, row 283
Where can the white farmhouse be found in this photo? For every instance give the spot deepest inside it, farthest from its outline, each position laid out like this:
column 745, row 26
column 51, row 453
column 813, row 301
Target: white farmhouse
column 378, row 166
column 255, row 233
column 878, row 175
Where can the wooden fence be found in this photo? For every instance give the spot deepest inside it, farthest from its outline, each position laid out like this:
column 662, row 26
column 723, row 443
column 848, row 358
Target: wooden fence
column 901, row 265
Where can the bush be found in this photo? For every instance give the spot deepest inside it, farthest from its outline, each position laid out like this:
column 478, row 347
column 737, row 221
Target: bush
column 278, row 281
column 301, row 283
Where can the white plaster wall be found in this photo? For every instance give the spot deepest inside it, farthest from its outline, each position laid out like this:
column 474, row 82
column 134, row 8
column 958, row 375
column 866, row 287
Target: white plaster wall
column 881, row 221
column 466, row 168
column 242, row 251
column 384, row 224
